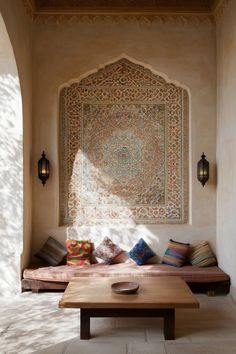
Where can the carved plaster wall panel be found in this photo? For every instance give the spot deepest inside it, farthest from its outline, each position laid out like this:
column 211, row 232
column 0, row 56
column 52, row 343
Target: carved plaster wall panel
column 124, row 148
column 166, row 11
column 141, row 19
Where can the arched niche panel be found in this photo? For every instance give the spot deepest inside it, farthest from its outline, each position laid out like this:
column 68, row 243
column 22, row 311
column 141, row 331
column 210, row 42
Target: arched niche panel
column 123, row 148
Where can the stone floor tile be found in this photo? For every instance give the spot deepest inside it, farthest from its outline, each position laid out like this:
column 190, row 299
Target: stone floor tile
column 139, row 322
column 147, row 348
column 76, row 346
column 55, row 349
column 154, row 335
column 97, row 323
column 206, row 313
column 207, row 329
column 118, row 335
column 213, row 334
column 31, row 322
column 201, row 348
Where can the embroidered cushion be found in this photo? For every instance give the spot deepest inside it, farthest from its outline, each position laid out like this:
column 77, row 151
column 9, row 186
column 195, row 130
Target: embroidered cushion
column 176, row 253
column 52, row 252
column 107, row 250
column 141, row 252
column 202, row 255
column 79, row 252
column 76, row 260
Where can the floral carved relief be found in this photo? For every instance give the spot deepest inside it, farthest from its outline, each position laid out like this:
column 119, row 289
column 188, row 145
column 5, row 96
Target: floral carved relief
column 124, row 148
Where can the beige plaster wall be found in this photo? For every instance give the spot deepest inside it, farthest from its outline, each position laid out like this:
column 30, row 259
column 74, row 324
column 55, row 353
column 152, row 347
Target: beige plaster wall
column 226, row 142
column 184, row 51
column 19, row 27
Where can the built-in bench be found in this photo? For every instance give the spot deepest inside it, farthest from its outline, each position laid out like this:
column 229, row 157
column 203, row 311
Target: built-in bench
column 208, row 279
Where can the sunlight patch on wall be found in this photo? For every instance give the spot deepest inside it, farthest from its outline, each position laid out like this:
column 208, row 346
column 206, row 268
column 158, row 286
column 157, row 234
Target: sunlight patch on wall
column 125, row 235
column 90, row 189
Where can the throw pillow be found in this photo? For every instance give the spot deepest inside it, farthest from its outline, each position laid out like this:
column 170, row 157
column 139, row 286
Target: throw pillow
column 79, row 252
column 76, row 260
column 141, row 252
column 107, row 250
column 52, row 252
column 202, row 255
column 176, row 253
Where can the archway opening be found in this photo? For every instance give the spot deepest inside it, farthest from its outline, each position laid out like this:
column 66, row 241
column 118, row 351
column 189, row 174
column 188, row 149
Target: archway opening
column 11, row 167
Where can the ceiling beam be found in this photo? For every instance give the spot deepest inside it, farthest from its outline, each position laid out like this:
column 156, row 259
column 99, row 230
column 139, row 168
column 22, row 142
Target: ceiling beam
column 123, row 6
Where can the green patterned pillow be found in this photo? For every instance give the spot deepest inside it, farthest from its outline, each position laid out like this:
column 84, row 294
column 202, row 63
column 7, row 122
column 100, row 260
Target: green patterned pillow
column 202, row 255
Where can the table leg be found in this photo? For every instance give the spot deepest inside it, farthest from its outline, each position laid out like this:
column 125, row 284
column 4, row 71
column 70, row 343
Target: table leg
column 84, row 324
column 169, row 324
column 85, row 314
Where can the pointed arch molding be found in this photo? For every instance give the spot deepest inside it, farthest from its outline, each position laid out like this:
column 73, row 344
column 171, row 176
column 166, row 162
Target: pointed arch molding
column 123, row 148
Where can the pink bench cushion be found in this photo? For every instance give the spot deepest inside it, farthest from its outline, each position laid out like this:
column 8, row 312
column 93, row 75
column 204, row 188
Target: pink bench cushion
column 64, row 273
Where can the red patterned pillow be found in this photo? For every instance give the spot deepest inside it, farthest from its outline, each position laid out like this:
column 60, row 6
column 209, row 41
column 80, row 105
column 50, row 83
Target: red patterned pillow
column 79, row 252
column 107, row 250
column 75, row 260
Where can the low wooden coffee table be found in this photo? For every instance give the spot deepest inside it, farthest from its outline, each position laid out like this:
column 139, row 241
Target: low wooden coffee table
column 156, row 297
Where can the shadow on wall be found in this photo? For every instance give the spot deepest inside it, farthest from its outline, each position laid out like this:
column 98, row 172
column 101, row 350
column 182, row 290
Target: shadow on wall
column 11, row 167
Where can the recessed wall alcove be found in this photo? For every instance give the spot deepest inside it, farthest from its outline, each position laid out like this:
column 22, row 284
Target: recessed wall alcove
column 123, row 147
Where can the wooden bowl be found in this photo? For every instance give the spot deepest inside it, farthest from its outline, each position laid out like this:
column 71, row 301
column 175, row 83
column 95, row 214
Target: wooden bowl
column 125, row 287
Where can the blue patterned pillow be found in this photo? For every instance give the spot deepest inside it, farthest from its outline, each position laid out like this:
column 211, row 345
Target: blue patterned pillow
column 141, row 252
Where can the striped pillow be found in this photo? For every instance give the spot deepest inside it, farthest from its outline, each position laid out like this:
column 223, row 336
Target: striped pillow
column 176, row 253
column 52, row 252
column 202, row 255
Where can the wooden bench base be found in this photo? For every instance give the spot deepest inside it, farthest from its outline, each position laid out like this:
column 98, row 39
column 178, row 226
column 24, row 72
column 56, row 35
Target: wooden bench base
column 210, row 289
column 36, row 285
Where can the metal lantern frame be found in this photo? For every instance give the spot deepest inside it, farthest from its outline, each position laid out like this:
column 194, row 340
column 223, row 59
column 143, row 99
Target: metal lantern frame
column 43, row 168
column 203, row 170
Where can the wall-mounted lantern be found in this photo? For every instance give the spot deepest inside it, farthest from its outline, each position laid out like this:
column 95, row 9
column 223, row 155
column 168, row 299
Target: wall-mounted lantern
column 203, row 170
column 43, row 169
